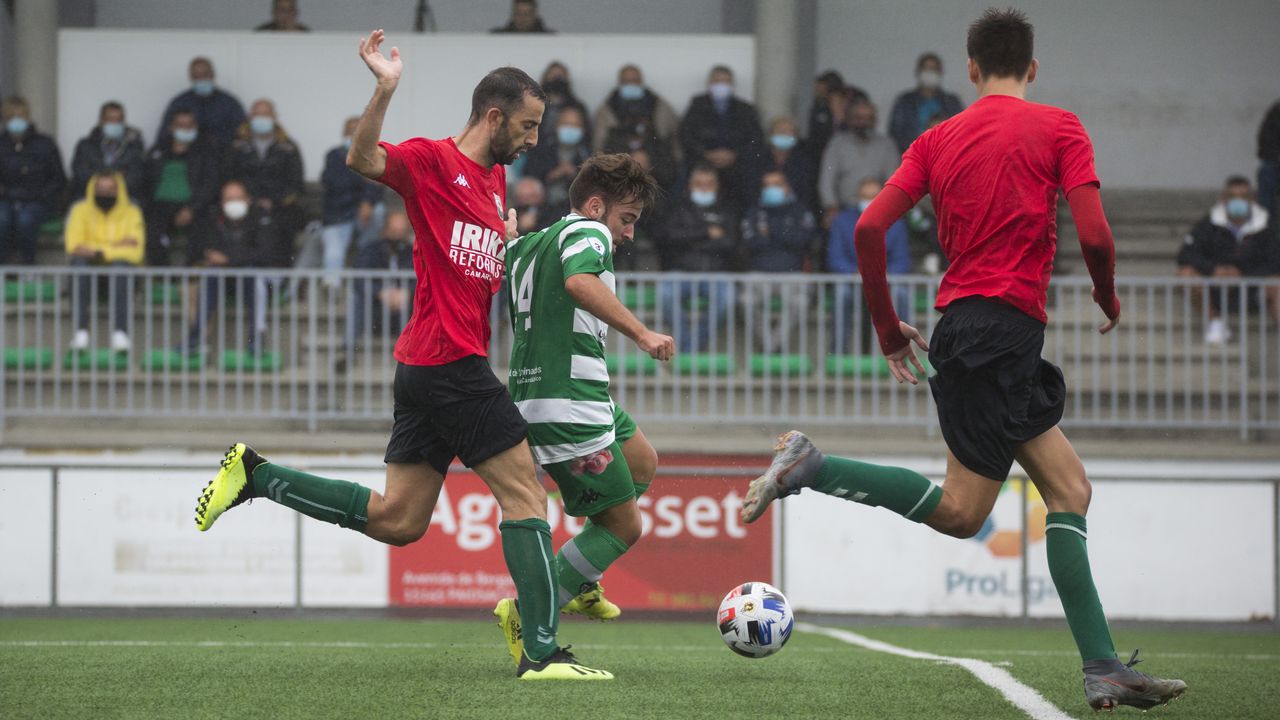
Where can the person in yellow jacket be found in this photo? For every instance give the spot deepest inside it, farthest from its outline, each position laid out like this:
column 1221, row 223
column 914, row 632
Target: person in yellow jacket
column 104, row 229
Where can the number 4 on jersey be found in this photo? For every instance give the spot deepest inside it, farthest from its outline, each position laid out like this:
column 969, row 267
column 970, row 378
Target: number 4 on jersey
column 524, row 291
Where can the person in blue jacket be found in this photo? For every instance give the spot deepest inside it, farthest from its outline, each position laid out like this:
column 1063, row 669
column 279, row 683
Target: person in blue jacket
column 843, row 260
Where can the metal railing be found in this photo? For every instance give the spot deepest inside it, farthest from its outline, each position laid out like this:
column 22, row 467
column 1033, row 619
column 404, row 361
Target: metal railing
column 752, row 348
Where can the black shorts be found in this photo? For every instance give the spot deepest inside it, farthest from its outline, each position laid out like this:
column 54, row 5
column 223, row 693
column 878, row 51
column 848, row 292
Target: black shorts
column 459, row 409
column 993, row 390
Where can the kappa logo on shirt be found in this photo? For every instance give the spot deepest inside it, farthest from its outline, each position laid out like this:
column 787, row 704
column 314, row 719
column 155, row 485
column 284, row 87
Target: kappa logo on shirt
column 462, row 180
column 478, row 250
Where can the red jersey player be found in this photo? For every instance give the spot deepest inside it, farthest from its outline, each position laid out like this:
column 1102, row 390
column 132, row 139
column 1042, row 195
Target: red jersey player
column 447, row 400
column 994, row 171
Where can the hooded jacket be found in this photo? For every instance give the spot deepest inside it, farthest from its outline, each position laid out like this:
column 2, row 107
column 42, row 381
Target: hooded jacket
column 106, row 232
column 1212, row 243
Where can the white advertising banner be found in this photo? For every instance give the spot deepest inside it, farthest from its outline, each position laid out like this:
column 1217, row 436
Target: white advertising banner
column 340, row 567
column 128, row 537
column 26, row 535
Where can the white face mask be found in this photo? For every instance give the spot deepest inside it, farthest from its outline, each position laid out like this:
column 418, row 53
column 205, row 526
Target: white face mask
column 930, row 78
column 863, row 204
column 235, row 209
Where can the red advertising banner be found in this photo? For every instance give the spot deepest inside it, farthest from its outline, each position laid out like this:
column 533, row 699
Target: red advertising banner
column 694, row 548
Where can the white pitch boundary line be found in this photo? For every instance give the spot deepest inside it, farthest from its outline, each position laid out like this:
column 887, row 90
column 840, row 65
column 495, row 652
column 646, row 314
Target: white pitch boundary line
column 1023, row 697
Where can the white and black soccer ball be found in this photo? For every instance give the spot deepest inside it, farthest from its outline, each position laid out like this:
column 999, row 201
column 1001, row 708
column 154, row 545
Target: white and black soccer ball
column 755, row 620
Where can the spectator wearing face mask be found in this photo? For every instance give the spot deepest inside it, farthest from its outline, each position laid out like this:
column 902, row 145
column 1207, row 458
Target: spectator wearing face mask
column 791, row 155
column 913, row 110
column 723, row 131
column 352, row 207
column 842, row 259
column 701, row 236
column 31, row 181
column 633, row 114
column 380, row 305
column 268, row 162
column 777, row 235
column 558, row 87
column 856, row 152
column 1237, row 238
column 112, row 146
column 218, row 113
column 556, row 159
column 104, row 229
column 180, row 187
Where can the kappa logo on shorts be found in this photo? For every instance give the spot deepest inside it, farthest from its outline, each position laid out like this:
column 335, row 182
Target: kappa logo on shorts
column 588, row 496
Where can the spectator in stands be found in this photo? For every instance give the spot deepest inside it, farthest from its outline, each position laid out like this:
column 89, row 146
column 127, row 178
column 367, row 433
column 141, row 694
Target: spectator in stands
column 828, row 89
column 31, row 181
column 218, row 113
column 1269, row 158
column 268, row 162
column 559, row 89
column 633, row 114
column 244, row 235
column 853, row 154
column 530, row 205
column 556, row 160
column 284, row 18
column 701, row 236
column 383, row 306
column 913, row 110
column 723, row 131
column 1237, row 238
column 788, row 153
column 111, row 146
column 524, row 19
column 777, row 235
column 843, row 260
column 104, row 229
column 180, row 187
column 352, row 206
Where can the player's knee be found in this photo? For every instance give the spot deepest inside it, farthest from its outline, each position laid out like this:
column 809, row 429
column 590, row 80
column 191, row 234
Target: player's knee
column 965, row 526
column 644, row 465
column 405, row 534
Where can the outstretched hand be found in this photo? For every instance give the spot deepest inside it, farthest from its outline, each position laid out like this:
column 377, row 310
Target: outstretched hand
column 898, row 361
column 386, row 70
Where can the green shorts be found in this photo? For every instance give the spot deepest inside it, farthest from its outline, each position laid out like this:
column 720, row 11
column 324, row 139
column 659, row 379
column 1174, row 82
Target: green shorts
column 601, row 480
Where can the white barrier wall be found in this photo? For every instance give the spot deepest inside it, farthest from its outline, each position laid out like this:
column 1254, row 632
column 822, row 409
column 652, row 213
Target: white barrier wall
column 26, row 536
column 317, row 80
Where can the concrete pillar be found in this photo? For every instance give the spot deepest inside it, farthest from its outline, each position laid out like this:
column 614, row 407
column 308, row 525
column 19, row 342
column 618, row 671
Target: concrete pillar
column 35, row 30
column 777, row 57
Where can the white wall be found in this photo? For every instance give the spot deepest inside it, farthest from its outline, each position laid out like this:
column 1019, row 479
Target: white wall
column 1172, row 91
column 317, row 80
column 571, row 16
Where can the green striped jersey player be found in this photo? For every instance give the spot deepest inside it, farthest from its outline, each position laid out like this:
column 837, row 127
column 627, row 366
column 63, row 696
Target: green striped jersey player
column 563, row 303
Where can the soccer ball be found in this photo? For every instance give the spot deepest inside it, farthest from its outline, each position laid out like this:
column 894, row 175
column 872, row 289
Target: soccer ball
column 755, row 620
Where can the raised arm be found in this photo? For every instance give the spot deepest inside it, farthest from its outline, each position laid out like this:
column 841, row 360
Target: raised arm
column 366, row 156
column 1099, row 250
column 595, row 297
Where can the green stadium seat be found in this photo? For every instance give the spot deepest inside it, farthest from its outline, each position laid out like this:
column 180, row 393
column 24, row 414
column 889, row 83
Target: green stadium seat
column 865, row 365
column 775, row 365
column 28, row 358
column 631, row 364
column 98, row 359
column 173, row 361
column 239, row 360
column 166, row 294
column 716, row 364
column 52, row 226
column 30, row 290
column 644, row 297
column 923, row 306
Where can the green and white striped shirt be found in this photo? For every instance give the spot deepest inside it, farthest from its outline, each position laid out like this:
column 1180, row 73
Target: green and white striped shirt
column 558, row 376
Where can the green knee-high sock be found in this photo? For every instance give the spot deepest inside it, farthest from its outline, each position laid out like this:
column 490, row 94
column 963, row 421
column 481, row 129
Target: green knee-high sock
column 1065, row 535
column 582, row 560
column 903, row 491
column 334, row 501
column 526, row 544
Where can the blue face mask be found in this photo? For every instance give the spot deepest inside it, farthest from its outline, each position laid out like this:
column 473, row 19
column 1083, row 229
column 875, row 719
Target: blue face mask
column 631, row 91
column 569, row 134
column 1239, row 208
column 186, row 136
column 783, row 142
column 17, row 125
column 261, row 124
column 203, row 88
column 703, row 198
column 113, row 130
column 773, row 196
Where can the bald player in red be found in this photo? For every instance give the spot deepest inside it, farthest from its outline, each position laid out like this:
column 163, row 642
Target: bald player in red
column 448, row 403
column 994, row 172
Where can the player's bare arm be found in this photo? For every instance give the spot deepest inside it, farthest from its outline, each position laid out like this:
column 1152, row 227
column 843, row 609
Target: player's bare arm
column 366, row 156
column 596, row 298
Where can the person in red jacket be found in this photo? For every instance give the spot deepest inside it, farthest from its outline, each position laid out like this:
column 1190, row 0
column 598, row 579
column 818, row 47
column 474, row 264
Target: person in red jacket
column 994, row 171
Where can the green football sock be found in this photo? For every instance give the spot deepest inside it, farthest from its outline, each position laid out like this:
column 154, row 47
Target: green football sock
column 582, row 560
column 334, row 501
column 1065, row 535
column 903, row 491
column 526, row 544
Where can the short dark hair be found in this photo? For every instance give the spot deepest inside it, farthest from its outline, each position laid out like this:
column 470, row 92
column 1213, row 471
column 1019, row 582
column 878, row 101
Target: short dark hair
column 614, row 178
column 504, row 89
column 1237, row 180
column 1002, row 43
column 721, row 69
column 926, row 57
column 110, row 105
column 832, row 79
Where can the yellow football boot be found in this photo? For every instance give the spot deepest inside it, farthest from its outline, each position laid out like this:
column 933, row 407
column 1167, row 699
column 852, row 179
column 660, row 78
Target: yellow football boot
column 231, row 486
column 562, row 665
column 593, row 604
column 509, row 622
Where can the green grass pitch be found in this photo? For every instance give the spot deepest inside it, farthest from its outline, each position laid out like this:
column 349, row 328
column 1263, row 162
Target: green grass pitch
column 315, row 668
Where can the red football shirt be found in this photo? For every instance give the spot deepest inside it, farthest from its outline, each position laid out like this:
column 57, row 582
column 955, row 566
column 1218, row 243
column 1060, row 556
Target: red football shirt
column 456, row 208
column 994, row 171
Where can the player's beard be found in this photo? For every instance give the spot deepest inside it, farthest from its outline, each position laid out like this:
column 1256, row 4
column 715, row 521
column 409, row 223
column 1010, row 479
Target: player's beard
column 503, row 150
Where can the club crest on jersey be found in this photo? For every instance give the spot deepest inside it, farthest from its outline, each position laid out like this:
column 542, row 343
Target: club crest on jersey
column 479, row 251
column 498, row 201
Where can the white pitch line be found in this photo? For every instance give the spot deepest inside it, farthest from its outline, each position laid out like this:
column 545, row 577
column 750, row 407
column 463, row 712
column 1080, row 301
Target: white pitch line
column 322, row 645
column 1023, row 697
column 1182, row 655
